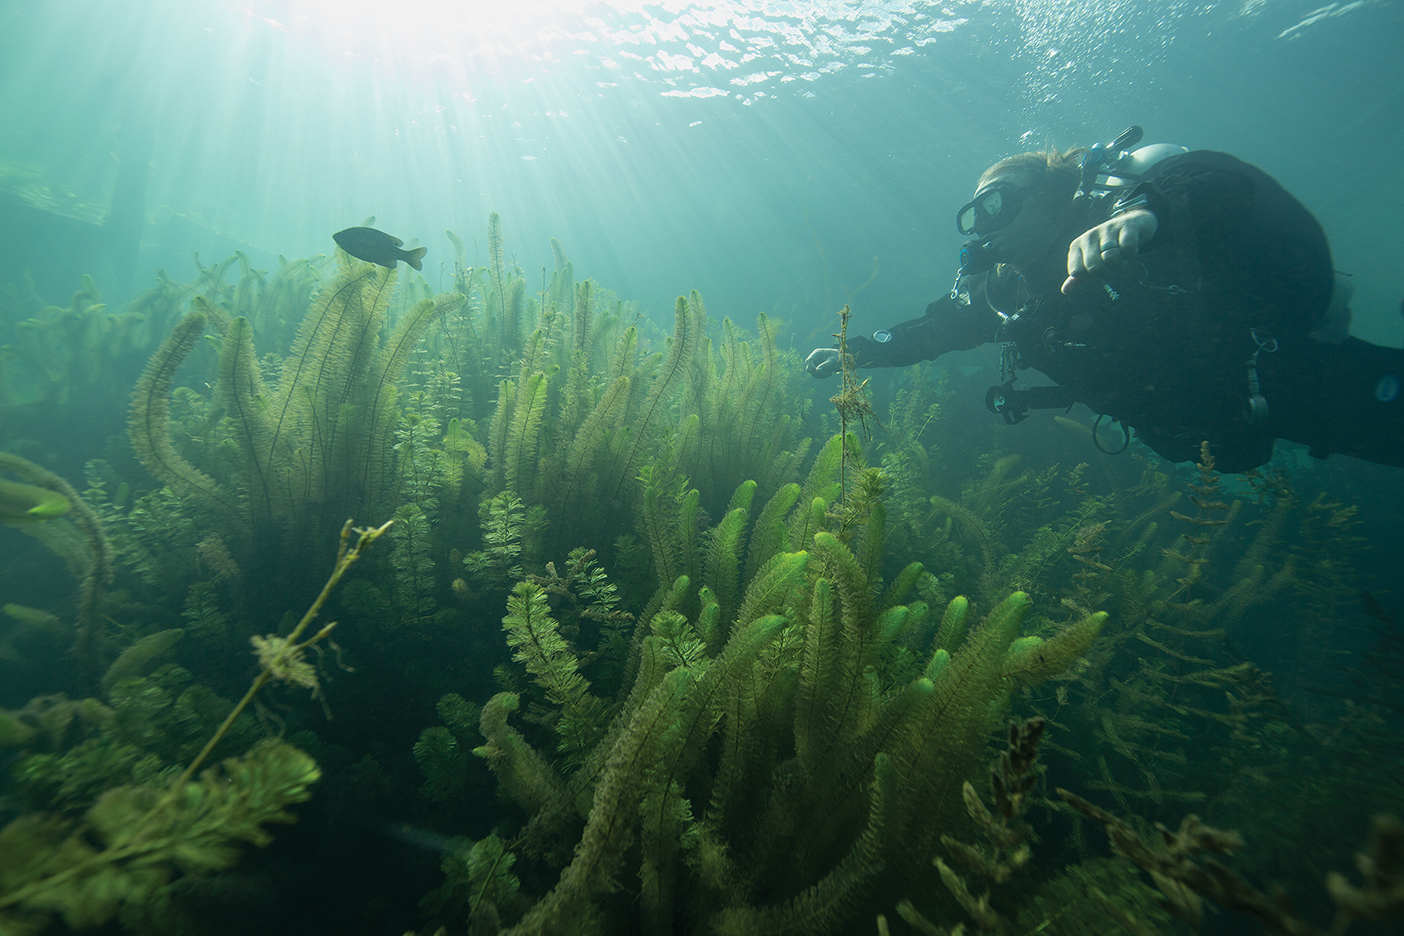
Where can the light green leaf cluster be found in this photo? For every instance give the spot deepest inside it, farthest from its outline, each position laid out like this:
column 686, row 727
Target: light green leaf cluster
column 316, row 440
column 442, row 761
column 204, row 618
column 536, row 643
column 122, row 852
column 499, row 561
column 413, row 565
column 782, row 764
column 479, row 886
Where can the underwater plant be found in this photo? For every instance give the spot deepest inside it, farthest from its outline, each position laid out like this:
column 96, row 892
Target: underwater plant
column 134, row 839
column 63, row 368
column 779, row 764
column 738, row 690
column 1165, row 710
column 1177, row 866
column 46, row 507
column 318, row 443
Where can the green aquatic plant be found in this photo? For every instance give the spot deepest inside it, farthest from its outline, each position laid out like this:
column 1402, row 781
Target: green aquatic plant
column 141, row 656
column 777, row 767
column 443, row 763
column 479, row 886
column 142, row 732
column 851, row 401
column 1177, row 716
column 413, row 566
column 1087, row 899
column 508, row 293
column 72, row 531
column 27, row 503
column 442, row 751
column 1093, row 898
column 134, row 838
column 742, row 395
column 1178, row 865
column 581, row 411
column 86, row 871
column 542, row 410
column 317, row 443
column 62, row 361
column 1163, row 705
column 502, row 520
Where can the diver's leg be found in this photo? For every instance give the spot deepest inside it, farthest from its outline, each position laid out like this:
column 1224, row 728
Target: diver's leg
column 1346, row 398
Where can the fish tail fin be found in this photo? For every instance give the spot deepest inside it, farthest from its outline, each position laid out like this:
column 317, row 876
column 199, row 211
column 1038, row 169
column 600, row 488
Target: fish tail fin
column 412, row 257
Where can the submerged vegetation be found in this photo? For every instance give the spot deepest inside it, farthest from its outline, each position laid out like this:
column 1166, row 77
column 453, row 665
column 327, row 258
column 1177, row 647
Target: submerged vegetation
column 651, row 643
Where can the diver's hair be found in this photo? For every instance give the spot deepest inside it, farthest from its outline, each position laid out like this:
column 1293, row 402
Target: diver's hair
column 1058, row 173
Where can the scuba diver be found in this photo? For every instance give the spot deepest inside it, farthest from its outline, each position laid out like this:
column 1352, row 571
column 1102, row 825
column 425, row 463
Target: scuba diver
column 1186, row 295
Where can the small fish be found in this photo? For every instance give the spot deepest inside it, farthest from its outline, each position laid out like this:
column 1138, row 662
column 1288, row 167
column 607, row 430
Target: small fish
column 374, row 246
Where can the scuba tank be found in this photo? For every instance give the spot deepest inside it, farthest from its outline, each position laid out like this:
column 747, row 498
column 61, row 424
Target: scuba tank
column 1110, row 167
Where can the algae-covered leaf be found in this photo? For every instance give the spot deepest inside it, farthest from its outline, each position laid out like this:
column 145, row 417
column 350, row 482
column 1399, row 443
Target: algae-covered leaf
column 243, row 793
column 14, row 924
column 141, row 656
column 120, row 808
column 91, row 900
column 767, row 591
column 442, row 761
column 38, row 620
column 36, row 849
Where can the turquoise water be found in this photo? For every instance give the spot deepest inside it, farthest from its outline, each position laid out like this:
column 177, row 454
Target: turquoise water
column 716, row 146
column 781, row 158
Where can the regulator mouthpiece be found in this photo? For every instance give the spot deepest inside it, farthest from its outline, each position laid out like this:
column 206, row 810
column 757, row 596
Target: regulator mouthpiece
column 977, row 256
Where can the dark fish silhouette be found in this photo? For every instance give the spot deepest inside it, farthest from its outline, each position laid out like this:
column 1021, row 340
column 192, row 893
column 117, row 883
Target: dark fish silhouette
column 374, row 246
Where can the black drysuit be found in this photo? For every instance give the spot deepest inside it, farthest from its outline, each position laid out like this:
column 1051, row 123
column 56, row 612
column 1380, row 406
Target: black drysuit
column 1164, row 345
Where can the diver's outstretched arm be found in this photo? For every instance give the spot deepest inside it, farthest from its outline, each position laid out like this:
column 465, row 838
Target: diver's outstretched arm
column 949, row 324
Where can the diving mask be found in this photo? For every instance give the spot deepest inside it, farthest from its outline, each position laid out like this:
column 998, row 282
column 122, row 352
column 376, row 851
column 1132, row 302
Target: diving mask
column 990, row 210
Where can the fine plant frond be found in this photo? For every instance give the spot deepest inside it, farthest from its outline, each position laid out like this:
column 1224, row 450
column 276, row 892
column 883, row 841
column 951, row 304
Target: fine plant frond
column 723, row 561
column 141, row 656
column 384, row 377
column 245, row 397
column 687, row 325
column 149, row 423
column 524, row 774
column 768, row 536
column 536, row 642
column 498, row 270
column 771, row 586
column 524, row 435
column 590, row 438
column 86, row 872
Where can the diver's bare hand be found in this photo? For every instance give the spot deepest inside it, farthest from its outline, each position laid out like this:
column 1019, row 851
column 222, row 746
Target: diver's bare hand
column 822, row 362
column 1108, row 247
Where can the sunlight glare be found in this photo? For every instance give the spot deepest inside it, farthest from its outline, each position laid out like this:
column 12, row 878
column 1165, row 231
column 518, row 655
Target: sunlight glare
column 405, row 39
